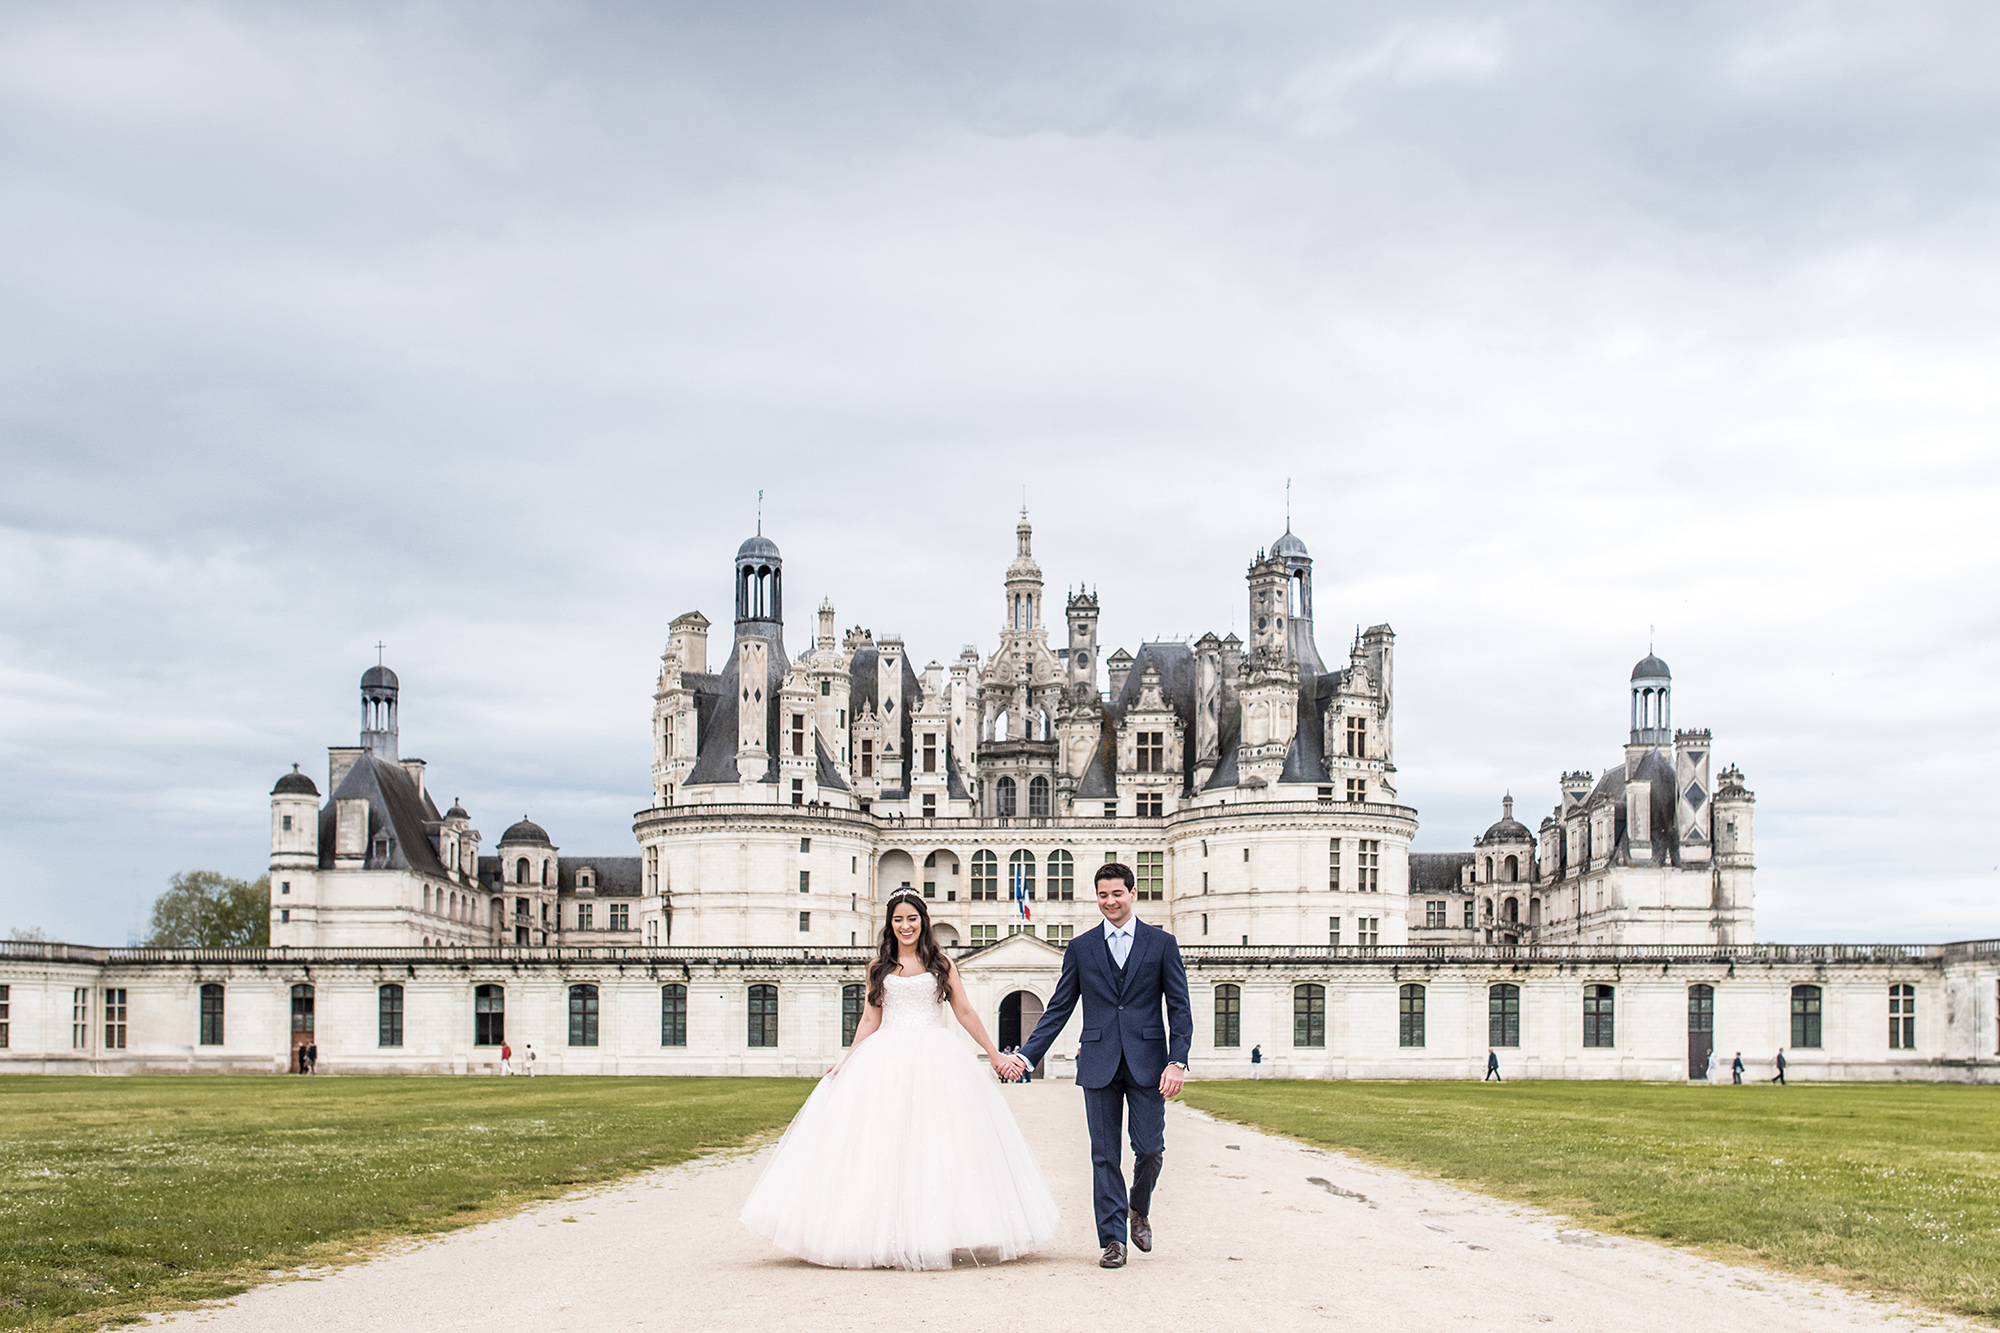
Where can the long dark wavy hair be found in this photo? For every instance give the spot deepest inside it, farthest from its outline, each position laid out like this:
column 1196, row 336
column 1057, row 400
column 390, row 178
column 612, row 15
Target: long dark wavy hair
column 887, row 955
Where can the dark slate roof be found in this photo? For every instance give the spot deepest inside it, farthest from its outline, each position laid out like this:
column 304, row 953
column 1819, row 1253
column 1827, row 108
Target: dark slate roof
column 862, row 675
column 954, row 781
column 828, row 775
column 1305, row 759
column 617, row 876
column 1289, row 544
column 1657, row 769
column 395, row 807
column 295, row 783
column 758, row 547
column 1100, row 776
column 527, row 831
column 715, row 756
column 1180, row 673
column 457, row 811
column 378, row 677
column 1651, row 668
column 1507, row 830
column 1437, row 872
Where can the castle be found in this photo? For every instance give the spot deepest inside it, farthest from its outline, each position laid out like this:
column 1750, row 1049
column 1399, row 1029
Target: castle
column 1251, row 786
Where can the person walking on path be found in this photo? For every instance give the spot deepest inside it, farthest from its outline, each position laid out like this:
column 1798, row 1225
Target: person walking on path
column 506, row 1058
column 1256, row 1058
column 1493, row 1066
column 1134, row 1055
column 1779, row 1077
column 531, row 1060
column 1736, row 1068
column 1714, row 1064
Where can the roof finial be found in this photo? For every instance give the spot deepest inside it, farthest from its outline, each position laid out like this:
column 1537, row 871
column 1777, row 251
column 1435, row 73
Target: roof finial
column 1288, row 504
column 378, row 652
column 1649, row 640
column 760, row 513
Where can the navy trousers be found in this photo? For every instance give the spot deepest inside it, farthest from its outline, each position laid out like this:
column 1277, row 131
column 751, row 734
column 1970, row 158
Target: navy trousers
column 1109, row 1109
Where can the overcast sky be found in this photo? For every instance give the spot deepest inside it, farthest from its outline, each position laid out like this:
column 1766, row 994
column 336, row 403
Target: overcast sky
column 476, row 329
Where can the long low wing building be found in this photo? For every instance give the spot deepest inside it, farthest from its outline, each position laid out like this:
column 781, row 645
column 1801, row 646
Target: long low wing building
column 1251, row 786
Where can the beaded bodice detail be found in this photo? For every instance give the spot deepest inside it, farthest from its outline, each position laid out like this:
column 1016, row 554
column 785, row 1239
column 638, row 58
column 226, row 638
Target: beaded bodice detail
column 911, row 1002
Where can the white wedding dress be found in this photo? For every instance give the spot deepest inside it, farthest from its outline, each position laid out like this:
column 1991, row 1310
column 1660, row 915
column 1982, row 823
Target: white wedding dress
column 906, row 1157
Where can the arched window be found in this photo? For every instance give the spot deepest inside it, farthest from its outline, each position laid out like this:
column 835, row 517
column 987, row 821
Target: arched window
column 545, row 872
column 1061, row 876
column 1902, row 1018
column 1038, row 797
column 389, row 1015
column 521, row 871
column 583, row 1015
column 674, row 1015
column 489, row 1015
column 1512, row 866
column 1410, row 1016
column 1308, row 1015
column 1513, row 911
column 211, row 1014
column 1228, row 1015
column 764, row 1016
column 850, row 1013
column 1489, row 870
column 1598, row 1027
column 1021, row 876
column 985, row 877
column 1003, row 796
column 1503, row 1015
column 1806, row 1003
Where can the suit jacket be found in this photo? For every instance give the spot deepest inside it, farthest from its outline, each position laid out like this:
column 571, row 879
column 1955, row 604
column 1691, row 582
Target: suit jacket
column 1122, row 1016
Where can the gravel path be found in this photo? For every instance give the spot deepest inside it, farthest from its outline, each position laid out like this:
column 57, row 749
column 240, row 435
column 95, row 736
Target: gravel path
column 1253, row 1233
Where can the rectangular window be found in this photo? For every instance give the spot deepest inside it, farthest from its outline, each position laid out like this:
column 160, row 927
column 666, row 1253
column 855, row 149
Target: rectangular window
column 1326, row 796
column 621, row 916
column 1204, row 881
column 798, row 791
column 389, row 1015
column 1410, row 1016
column 805, row 920
column 288, row 823
column 583, row 1015
column 1111, row 809
column 799, row 734
column 79, row 1018
column 851, row 998
column 1806, row 1005
column 805, row 881
column 1062, row 877
column 1152, row 752
column 868, row 759
column 1368, row 866
column 674, row 1015
column 284, row 916
column 585, row 915
column 114, row 1019
column 1598, row 1027
column 1333, row 864
column 489, row 1015
column 1503, row 1015
column 763, row 1016
column 1204, row 923
column 1061, row 935
column 1151, row 805
column 805, row 845
column 985, row 934
column 1018, row 929
column 1367, row 931
column 1468, row 914
column 1150, row 873
column 1228, row 1015
column 6, row 1011
column 1357, row 789
column 1333, row 931
column 284, row 886
column 826, row 689
column 1434, row 916
column 1308, row 1015
column 930, row 753
column 1357, row 738
column 1902, row 1018
column 930, row 805
column 211, row 1014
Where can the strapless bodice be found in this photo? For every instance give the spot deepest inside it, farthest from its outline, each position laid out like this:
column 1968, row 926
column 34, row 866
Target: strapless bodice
column 911, row 1002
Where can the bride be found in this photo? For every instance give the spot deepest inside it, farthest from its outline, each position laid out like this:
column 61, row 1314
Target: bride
column 906, row 1152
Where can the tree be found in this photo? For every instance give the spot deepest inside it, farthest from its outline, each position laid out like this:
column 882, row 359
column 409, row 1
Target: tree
column 204, row 910
column 29, row 935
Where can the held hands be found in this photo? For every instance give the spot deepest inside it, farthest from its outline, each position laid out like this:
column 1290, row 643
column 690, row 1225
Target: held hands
column 1007, row 1068
column 1171, row 1079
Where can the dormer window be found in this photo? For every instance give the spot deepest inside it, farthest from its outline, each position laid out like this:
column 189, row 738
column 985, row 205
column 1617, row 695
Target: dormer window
column 586, row 879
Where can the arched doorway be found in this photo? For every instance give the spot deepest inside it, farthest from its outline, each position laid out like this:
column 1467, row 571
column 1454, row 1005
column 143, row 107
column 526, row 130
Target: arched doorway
column 1019, row 1013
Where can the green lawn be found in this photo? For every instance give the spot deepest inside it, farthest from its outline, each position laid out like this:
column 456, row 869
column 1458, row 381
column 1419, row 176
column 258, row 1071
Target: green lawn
column 1890, row 1187
column 120, row 1195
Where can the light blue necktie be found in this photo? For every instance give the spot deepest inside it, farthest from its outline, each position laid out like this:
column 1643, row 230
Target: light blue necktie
column 1121, row 945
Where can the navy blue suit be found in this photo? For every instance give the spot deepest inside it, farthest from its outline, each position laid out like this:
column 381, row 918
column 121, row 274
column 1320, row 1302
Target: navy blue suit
column 1127, row 1045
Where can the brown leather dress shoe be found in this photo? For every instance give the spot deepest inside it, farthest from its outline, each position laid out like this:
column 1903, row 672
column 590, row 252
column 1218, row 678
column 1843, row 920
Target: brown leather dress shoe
column 1142, row 1232
column 1114, row 1256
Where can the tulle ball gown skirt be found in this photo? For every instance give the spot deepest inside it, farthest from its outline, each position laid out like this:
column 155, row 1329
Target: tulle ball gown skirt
column 907, row 1157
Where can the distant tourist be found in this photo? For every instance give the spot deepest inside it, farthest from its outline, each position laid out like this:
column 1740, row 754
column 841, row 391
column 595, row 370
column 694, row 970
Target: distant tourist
column 531, row 1060
column 506, row 1058
column 1779, row 1077
column 1256, row 1058
column 1493, row 1066
column 1714, row 1064
column 312, row 1057
column 1736, row 1068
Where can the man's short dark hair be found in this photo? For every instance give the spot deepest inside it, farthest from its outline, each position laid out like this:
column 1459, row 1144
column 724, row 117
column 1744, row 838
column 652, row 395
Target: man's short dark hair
column 1117, row 870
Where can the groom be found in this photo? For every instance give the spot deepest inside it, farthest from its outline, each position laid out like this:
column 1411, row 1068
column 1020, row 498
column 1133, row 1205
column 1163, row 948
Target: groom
column 1131, row 1062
